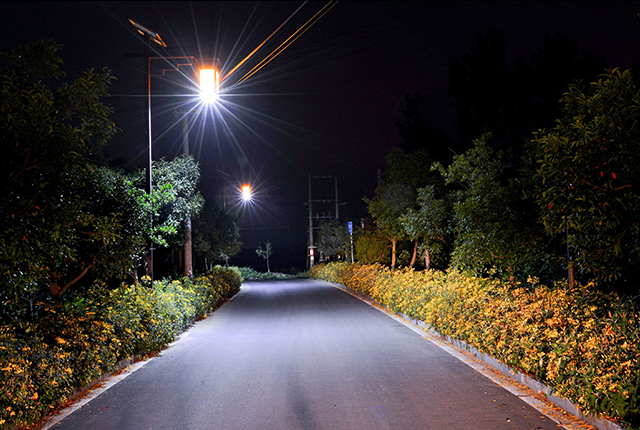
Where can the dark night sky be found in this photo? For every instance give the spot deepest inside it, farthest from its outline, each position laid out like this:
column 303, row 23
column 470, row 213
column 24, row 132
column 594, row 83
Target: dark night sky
column 326, row 106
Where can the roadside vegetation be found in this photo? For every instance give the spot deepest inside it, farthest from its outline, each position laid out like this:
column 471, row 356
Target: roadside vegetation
column 75, row 296
column 582, row 343
column 72, row 342
column 562, row 203
column 250, row 274
column 520, row 236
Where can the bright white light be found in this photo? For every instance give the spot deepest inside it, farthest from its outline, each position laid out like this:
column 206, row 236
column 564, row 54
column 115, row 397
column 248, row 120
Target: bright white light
column 209, row 85
column 208, row 97
column 246, row 193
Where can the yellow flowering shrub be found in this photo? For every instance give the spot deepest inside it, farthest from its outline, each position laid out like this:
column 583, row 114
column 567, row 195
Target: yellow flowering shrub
column 76, row 341
column 583, row 344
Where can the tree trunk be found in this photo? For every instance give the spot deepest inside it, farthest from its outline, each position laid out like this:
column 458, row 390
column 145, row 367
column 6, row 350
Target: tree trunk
column 147, row 265
column 188, row 256
column 415, row 253
column 54, row 290
column 394, row 241
column 57, row 291
column 134, row 275
column 572, row 275
column 427, row 259
column 572, row 278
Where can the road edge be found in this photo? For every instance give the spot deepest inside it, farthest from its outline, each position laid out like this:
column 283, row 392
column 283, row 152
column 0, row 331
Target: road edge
column 562, row 411
column 124, row 368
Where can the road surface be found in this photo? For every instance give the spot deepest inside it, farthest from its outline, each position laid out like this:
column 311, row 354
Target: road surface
column 302, row 354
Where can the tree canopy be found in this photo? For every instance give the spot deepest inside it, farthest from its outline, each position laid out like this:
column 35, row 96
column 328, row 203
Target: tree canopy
column 386, row 208
column 588, row 173
column 62, row 217
column 175, row 197
column 478, row 207
column 428, row 223
column 333, row 238
column 216, row 236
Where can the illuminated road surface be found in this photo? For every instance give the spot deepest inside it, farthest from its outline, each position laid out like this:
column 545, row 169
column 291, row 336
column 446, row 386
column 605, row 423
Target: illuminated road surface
column 301, row 354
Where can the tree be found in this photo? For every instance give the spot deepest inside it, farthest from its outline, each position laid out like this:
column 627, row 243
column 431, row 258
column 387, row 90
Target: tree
column 387, row 207
column 174, row 200
column 372, row 246
column 588, row 175
column 492, row 227
column 265, row 253
column 61, row 217
column 413, row 170
column 216, row 236
column 407, row 169
column 410, row 168
column 183, row 201
column 428, row 223
column 333, row 238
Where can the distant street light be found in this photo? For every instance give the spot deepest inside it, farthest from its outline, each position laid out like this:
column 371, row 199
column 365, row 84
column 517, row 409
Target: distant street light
column 246, row 193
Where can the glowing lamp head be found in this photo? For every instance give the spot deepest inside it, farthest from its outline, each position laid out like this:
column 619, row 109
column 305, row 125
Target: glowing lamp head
column 209, row 85
column 246, row 193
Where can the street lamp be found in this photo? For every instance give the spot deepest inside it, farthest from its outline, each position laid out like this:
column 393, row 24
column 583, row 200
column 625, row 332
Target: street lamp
column 155, row 37
column 246, row 193
column 209, row 86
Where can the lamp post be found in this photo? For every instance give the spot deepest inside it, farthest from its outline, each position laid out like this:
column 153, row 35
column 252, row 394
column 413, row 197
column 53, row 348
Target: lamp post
column 152, row 36
column 209, row 85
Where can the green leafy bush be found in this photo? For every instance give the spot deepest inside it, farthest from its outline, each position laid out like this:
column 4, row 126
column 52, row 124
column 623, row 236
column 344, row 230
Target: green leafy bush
column 249, row 274
column 74, row 342
column 582, row 343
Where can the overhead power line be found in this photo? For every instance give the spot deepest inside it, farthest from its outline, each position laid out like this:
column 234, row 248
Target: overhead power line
column 262, row 44
column 326, row 8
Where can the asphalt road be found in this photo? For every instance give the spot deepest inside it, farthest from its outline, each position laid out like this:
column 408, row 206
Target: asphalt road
column 301, row 354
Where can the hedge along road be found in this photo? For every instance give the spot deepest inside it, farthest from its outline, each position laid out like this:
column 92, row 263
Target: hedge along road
column 301, row 354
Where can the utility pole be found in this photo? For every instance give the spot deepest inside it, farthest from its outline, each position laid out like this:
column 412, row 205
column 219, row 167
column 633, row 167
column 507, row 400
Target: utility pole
column 311, row 247
column 320, row 201
column 350, row 227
